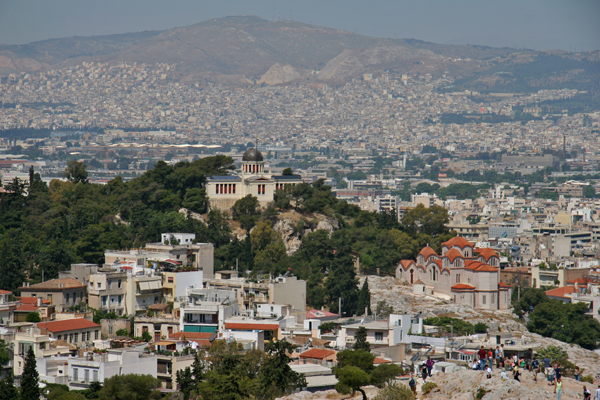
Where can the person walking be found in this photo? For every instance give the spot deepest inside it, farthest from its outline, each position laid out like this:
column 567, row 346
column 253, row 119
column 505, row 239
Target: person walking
column 501, row 351
column 497, row 355
column 535, row 365
column 587, row 395
column 429, row 364
column 558, row 388
column 482, row 357
column 577, row 374
column 413, row 385
column 547, row 367
column 557, row 372
column 490, row 357
column 424, row 372
column 597, row 394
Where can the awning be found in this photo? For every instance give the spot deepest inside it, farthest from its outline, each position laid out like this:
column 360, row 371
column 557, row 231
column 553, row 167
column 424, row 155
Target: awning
column 155, row 285
column 144, row 286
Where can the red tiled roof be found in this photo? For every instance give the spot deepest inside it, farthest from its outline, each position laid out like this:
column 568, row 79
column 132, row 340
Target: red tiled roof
column 191, row 335
column 251, row 327
column 561, row 292
column 406, row 263
column 54, row 284
column 581, row 281
column 5, row 292
column 27, row 307
column 32, row 300
column 318, row 354
column 452, row 254
column 378, row 360
column 427, row 251
column 458, row 241
column 68, row 325
column 502, row 284
column 462, row 286
column 316, row 314
column 419, row 282
column 486, row 268
column 486, row 253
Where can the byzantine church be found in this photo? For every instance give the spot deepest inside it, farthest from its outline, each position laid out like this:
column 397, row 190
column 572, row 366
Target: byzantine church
column 224, row 190
column 467, row 274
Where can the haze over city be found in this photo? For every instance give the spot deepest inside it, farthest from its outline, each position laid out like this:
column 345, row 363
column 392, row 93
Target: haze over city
column 535, row 24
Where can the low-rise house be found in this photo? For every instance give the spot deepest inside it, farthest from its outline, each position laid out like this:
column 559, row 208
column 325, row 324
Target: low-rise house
column 176, row 283
column 79, row 332
column 382, row 333
column 7, row 307
column 32, row 304
column 97, row 367
column 107, row 289
column 62, row 293
column 206, row 310
column 159, row 327
column 42, row 344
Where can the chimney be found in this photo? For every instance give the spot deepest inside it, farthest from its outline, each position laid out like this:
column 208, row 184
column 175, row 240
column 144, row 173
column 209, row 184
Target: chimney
column 39, row 301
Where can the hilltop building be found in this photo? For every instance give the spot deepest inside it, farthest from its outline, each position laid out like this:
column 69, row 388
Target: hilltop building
column 467, row 274
column 223, row 191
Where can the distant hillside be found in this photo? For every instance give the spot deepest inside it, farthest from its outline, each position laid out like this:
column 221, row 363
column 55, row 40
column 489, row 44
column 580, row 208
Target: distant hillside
column 251, row 50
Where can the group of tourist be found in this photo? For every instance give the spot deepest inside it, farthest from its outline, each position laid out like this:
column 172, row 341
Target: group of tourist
column 552, row 371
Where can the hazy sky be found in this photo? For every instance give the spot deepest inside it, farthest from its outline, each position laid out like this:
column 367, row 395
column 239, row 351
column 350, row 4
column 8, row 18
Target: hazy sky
column 538, row 24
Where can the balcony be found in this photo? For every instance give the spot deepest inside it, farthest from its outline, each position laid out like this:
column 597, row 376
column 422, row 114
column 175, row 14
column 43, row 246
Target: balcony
column 163, row 369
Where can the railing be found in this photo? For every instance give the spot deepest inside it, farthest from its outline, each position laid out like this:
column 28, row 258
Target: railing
column 163, row 369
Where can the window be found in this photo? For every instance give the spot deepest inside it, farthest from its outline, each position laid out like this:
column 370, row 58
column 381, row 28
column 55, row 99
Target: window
column 42, row 346
column 104, row 301
column 110, row 287
column 88, row 336
column 110, row 329
column 95, row 375
column 493, row 301
column 120, row 299
column 59, row 337
column 99, row 285
column 378, row 336
column 119, row 284
column 75, row 374
column 170, row 279
column 155, row 299
column 50, row 298
column 86, row 375
column 483, row 299
column 96, row 335
column 67, row 297
column 76, row 337
column 457, row 278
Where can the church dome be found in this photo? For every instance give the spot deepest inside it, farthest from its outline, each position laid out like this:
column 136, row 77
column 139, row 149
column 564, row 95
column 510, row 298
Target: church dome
column 252, row 155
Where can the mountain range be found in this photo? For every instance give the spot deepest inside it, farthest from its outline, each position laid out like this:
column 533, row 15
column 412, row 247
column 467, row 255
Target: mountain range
column 251, row 50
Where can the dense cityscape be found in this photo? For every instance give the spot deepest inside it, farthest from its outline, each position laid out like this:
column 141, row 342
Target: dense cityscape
column 307, row 239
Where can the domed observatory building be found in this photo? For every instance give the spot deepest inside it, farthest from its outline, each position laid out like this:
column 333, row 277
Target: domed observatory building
column 224, row 190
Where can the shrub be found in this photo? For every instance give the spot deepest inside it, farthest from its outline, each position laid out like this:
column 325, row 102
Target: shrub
column 122, row 332
column 395, row 391
column 587, row 378
column 32, row 317
column 428, row 387
column 480, row 327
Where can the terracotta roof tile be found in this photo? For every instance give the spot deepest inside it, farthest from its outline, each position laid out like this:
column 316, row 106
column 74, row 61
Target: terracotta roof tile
column 459, row 241
column 452, row 254
column 427, row 251
column 378, row 360
column 32, row 300
column 406, row 263
column 486, row 253
column 419, row 282
column 561, row 292
column 68, row 325
column 318, row 354
column 251, row 326
column 55, row 284
column 5, row 292
column 504, row 285
column 486, row 268
column 462, row 286
column 316, row 314
column 581, row 281
column 192, row 335
column 27, row 307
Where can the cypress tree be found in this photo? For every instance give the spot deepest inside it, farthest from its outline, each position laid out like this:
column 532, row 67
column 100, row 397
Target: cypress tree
column 30, row 388
column 364, row 299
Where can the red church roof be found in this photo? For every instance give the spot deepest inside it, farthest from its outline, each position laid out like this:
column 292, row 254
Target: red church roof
column 452, row 254
column 487, row 253
column 458, row 241
column 406, row 263
column 427, row 251
column 462, row 286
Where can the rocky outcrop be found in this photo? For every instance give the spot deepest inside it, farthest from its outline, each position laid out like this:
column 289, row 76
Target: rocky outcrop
column 277, row 74
column 192, row 215
column 292, row 227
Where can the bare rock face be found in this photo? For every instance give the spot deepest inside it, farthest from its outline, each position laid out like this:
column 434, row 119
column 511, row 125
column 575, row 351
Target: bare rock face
column 192, row 215
column 292, row 236
column 277, row 74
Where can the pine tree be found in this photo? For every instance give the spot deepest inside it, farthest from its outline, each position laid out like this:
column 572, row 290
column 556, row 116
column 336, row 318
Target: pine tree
column 30, row 389
column 364, row 299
